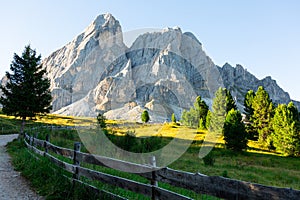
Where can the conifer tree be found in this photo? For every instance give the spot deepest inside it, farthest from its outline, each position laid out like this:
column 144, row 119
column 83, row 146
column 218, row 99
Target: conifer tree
column 286, row 136
column 218, row 113
column 248, row 110
column 230, row 103
column 262, row 115
column 26, row 92
column 234, row 131
column 195, row 114
column 208, row 118
column 201, row 109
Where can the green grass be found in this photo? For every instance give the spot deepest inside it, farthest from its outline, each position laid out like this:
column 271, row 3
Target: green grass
column 266, row 169
column 256, row 165
column 44, row 177
column 8, row 126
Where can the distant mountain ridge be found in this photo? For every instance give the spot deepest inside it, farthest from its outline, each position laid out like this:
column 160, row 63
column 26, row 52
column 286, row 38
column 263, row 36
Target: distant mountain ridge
column 238, row 80
column 162, row 72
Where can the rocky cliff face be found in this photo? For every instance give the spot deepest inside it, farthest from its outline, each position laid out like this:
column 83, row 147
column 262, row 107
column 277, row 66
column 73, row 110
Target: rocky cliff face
column 238, row 80
column 161, row 71
column 76, row 68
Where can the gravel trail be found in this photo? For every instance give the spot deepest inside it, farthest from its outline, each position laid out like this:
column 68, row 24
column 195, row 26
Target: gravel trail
column 12, row 184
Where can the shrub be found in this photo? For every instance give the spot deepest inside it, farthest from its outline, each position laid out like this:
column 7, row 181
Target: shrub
column 209, row 159
column 145, row 116
column 101, row 120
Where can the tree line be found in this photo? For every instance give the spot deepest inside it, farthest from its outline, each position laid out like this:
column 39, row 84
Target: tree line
column 276, row 127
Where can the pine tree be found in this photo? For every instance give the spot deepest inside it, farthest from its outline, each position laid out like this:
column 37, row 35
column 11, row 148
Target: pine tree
column 26, row 93
column 248, row 111
column 230, row 103
column 186, row 118
column 262, row 115
column 208, row 118
column 218, row 113
column 145, row 116
column 286, row 136
column 201, row 109
column 195, row 114
column 234, row 131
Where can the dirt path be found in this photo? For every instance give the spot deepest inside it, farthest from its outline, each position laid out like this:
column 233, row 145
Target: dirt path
column 12, row 185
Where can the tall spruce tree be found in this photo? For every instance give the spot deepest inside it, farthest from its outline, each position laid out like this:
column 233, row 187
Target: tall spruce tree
column 286, row 136
column 26, row 92
column 234, row 132
column 218, row 114
column 230, row 102
column 262, row 115
column 248, row 111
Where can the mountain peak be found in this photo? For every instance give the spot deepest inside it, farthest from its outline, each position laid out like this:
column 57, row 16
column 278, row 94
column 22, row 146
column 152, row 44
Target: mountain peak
column 227, row 66
column 192, row 36
column 103, row 22
column 175, row 28
column 104, row 18
column 161, row 71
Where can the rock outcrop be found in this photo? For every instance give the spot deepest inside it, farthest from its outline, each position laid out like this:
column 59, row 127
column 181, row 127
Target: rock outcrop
column 77, row 68
column 238, row 80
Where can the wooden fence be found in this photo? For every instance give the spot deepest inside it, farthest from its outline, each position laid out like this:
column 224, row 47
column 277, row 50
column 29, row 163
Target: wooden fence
column 211, row 185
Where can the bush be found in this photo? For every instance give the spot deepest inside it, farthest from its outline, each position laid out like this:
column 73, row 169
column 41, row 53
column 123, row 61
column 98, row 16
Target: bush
column 145, row 116
column 101, row 120
column 225, row 174
column 209, row 159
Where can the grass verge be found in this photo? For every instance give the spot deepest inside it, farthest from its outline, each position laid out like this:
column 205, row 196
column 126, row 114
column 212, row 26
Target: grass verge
column 44, row 177
column 256, row 165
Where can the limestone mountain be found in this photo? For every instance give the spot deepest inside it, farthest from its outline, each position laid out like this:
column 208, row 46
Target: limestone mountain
column 161, row 71
column 238, row 80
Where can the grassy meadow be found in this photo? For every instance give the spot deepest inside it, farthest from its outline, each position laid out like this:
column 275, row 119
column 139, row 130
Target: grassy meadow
column 256, row 165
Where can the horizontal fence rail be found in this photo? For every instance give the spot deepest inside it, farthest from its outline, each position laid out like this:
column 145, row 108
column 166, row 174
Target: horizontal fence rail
column 211, row 185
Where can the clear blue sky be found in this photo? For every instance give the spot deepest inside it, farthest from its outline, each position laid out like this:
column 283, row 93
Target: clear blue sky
column 261, row 35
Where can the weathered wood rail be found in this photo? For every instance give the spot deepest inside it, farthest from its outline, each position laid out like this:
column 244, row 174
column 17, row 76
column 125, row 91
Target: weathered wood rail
column 211, row 185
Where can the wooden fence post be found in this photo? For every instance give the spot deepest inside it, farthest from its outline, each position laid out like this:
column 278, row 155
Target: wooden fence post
column 77, row 146
column 46, row 143
column 153, row 179
column 35, row 137
column 30, row 140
